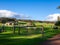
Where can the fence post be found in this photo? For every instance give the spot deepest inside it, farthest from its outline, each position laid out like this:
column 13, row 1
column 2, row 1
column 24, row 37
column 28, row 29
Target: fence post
column 3, row 28
column 13, row 29
column 19, row 30
column 28, row 30
column 42, row 31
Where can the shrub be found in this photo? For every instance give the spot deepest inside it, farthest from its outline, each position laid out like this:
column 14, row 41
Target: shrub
column 57, row 23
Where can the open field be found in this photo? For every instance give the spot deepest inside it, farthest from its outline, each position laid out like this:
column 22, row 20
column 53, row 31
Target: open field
column 31, row 38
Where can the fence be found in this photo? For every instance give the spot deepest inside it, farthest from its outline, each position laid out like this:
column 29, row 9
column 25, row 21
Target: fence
column 23, row 29
column 29, row 30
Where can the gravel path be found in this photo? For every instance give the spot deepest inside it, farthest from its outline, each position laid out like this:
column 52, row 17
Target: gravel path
column 53, row 41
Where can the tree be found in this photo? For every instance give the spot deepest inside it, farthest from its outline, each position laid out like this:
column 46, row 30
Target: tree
column 58, row 7
column 57, row 23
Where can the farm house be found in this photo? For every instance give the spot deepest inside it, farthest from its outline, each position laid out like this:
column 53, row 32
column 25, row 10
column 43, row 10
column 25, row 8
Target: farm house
column 9, row 24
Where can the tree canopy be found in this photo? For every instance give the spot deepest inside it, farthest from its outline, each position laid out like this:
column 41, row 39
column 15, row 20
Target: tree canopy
column 57, row 23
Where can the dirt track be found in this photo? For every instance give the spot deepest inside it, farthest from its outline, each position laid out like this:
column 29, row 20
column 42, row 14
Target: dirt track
column 53, row 41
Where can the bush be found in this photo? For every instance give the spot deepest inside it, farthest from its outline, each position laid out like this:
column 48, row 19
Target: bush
column 57, row 23
column 55, row 27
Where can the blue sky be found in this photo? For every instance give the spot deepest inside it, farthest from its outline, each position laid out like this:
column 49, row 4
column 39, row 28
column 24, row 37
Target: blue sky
column 36, row 9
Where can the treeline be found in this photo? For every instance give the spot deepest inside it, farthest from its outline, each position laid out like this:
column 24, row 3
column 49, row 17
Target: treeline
column 5, row 19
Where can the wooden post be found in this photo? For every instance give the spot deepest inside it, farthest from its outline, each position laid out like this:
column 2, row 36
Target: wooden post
column 42, row 31
column 3, row 28
column 27, row 28
column 13, row 29
column 19, row 30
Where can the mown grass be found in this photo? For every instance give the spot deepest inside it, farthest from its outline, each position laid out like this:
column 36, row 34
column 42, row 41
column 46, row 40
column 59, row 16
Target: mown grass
column 8, row 38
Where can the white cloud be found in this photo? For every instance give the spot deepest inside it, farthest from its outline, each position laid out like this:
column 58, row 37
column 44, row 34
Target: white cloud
column 7, row 13
column 52, row 17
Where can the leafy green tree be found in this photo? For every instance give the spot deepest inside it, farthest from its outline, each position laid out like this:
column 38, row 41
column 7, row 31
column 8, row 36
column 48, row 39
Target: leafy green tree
column 57, row 23
column 58, row 7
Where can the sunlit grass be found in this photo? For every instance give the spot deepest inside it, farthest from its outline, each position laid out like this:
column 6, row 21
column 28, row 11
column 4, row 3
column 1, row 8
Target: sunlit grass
column 10, row 35
column 8, row 32
column 26, row 37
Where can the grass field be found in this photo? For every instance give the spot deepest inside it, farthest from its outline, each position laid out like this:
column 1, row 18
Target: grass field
column 8, row 38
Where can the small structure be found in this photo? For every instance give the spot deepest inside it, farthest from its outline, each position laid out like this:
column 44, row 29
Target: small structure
column 9, row 23
column 30, row 23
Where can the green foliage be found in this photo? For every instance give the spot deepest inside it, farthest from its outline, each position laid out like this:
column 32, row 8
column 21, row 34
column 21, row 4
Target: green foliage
column 57, row 23
column 3, row 21
column 8, row 38
column 58, row 7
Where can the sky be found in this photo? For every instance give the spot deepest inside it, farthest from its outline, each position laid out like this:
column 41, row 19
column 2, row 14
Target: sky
column 33, row 9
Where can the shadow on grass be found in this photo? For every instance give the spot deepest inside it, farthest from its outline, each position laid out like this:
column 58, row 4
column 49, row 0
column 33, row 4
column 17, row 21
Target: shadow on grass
column 5, row 40
column 20, row 41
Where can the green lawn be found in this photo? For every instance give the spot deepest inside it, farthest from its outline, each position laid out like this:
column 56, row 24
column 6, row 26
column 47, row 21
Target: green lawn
column 7, row 38
column 33, row 38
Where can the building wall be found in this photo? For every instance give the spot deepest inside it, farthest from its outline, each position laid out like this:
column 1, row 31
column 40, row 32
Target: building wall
column 9, row 24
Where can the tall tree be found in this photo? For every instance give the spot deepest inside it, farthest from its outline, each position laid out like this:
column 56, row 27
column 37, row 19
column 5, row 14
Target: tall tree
column 58, row 7
column 58, row 22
